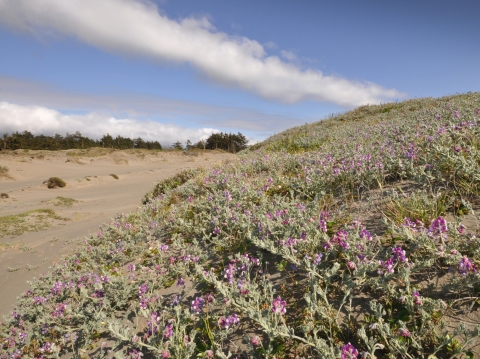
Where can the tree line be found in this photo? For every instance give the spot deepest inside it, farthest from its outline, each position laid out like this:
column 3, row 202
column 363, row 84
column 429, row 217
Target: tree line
column 229, row 142
column 26, row 140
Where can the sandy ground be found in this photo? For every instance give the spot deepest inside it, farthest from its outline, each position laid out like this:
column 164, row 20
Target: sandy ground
column 100, row 197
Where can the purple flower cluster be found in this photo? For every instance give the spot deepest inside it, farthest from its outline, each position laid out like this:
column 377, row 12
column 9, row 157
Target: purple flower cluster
column 417, row 225
column 59, row 310
column 417, row 299
column 279, row 306
column 152, row 324
column 230, row 321
column 438, row 228
column 256, row 341
column 142, row 289
column 399, row 255
column 168, row 331
column 466, row 266
column 349, row 352
column 198, row 304
column 340, row 239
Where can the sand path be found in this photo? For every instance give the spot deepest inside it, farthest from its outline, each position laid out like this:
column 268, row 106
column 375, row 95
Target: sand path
column 100, row 197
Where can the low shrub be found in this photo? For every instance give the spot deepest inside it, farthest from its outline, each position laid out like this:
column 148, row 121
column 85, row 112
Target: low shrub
column 114, row 176
column 54, row 182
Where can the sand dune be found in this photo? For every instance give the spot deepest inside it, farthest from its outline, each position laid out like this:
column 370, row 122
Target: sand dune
column 98, row 198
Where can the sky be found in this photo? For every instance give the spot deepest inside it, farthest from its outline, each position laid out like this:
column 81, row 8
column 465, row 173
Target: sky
column 172, row 70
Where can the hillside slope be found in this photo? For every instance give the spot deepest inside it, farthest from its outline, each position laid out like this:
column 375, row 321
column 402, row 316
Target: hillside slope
column 351, row 237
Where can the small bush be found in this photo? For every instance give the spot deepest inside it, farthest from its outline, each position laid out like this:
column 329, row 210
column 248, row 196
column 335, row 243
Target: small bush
column 54, row 182
column 114, row 175
column 4, row 195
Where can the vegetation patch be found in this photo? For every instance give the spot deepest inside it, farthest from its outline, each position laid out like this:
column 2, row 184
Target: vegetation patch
column 4, row 195
column 280, row 255
column 64, row 201
column 75, row 160
column 172, row 183
column 54, row 182
column 120, row 161
column 114, row 176
column 4, row 172
column 31, row 221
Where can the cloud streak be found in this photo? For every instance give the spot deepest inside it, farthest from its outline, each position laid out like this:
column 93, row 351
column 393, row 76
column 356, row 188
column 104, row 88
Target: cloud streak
column 135, row 105
column 42, row 120
column 135, row 27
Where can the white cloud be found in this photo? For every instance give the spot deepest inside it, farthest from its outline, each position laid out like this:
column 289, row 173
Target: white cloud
column 41, row 120
column 136, row 105
column 288, row 55
column 137, row 27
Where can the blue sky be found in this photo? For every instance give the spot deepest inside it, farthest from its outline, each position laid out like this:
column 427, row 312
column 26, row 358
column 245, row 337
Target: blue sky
column 177, row 70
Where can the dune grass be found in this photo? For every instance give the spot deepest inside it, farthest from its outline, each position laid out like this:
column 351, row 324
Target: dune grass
column 4, row 172
column 31, row 221
column 354, row 237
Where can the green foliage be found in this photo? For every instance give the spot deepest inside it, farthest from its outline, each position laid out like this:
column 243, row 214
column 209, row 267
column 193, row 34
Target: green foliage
column 54, row 182
column 171, row 183
column 226, row 141
column 417, row 206
column 31, row 221
column 287, row 249
column 28, row 141
column 64, row 201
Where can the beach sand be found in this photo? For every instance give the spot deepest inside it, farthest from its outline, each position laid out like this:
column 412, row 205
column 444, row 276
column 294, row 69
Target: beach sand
column 100, row 197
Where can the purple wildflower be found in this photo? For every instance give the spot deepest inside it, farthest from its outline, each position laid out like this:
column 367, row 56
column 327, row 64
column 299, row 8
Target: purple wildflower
column 386, row 266
column 227, row 195
column 198, row 304
column 349, row 352
column 466, row 265
column 59, row 310
column 399, row 254
column 351, row 265
column 142, row 289
column 403, row 332
column 256, row 341
column 323, row 226
column 135, row 354
column 57, row 288
column 365, row 234
column 228, row 322
column 180, row 282
column 438, row 228
column 152, row 323
column 279, row 306
column 175, row 300
column 417, row 298
column 168, row 331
